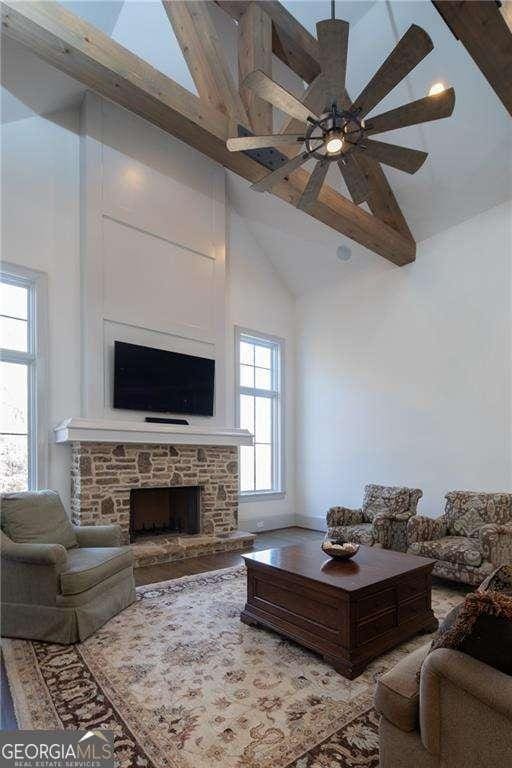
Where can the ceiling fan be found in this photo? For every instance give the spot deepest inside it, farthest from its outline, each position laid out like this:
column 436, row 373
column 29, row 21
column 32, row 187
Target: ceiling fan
column 335, row 130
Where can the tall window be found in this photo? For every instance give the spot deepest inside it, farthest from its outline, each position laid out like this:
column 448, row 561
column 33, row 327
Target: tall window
column 20, row 369
column 259, row 409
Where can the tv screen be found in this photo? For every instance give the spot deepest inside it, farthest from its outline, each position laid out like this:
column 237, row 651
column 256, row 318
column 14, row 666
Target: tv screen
column 147, row 379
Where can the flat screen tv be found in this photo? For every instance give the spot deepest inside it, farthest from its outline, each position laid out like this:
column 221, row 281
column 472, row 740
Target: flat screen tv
column 147, row 379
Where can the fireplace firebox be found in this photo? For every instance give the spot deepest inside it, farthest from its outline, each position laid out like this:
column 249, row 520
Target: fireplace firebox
column 174, row 510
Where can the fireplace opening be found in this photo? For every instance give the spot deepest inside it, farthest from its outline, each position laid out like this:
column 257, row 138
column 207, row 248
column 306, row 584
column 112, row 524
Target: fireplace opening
column 155, row 511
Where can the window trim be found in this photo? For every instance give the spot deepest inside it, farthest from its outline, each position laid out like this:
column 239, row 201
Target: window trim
column 278, row 438
column 36, row 358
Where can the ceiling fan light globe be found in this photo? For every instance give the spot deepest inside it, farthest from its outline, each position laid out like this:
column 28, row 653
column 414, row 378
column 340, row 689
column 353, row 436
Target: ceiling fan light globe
column 334, row 145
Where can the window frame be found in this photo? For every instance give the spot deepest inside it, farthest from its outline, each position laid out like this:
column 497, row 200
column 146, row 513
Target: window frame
column 35, row 358
column 276, row 395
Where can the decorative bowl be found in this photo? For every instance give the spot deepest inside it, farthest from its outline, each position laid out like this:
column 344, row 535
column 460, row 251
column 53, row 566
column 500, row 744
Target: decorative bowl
column 340, row 550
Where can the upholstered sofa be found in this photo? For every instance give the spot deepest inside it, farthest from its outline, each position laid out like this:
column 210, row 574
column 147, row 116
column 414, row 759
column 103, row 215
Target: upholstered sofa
column 382, row 519
column 456, row 712
column 59, row 582
column 470, row 539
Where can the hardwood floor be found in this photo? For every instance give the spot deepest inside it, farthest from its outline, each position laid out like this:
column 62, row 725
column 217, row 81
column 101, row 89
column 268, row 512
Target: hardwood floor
column 280, row 538
column 154, row 573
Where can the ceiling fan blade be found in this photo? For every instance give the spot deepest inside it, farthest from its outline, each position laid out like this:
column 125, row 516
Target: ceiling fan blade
column 408, row 52
column 333, row 46
column 271, row 179
column 354, row 178
column 270, row 91
column 314, row 185
column 408, row 160
column 261, row 142
column 420, row 111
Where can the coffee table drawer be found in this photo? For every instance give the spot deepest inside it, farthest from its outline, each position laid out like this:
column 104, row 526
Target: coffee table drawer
column 374, row 627
column 414, row 607
column 299, row 602
column 375, row 603
column 412, row 587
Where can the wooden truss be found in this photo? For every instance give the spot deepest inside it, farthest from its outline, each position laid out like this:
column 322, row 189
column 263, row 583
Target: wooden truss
column 206, row 122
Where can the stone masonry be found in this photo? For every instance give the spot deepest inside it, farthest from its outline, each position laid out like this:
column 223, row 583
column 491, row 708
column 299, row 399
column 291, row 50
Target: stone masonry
column 102, row 475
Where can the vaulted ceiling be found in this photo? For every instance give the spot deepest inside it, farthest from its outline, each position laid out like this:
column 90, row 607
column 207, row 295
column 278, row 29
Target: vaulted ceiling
column 470, row 155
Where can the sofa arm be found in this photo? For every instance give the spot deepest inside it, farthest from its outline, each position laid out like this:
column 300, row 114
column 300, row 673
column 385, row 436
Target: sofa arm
column 496, row 543
column 421, row 528
column 465, row 710
column 337, row 516
column 98, row 535
column 54, row 555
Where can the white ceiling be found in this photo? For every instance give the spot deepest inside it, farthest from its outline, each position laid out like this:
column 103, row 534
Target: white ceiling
column 469, row 168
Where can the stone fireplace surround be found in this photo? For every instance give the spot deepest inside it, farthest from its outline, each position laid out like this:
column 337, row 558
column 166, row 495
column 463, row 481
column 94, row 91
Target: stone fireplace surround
column 103, row 473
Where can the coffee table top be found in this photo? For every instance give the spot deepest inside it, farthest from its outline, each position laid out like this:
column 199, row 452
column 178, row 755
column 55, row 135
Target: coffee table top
column 371, row 565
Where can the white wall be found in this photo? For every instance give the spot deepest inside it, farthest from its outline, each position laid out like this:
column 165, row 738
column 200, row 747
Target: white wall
column 259, row 301
column 404, row 374
column 40, row 231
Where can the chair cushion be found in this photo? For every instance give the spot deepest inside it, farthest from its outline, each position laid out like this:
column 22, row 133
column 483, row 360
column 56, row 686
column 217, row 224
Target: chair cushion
column 361, row 533
column 397, row 692
column 89, row 566
column 452, row 549
column 383, row 499
column 467, row 511
column 37, row 516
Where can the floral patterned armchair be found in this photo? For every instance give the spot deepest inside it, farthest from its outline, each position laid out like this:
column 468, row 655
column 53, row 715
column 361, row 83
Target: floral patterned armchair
column 471, row 538
column 381, row 521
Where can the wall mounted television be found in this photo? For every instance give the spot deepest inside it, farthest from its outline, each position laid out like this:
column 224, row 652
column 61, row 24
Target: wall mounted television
column 147, row 379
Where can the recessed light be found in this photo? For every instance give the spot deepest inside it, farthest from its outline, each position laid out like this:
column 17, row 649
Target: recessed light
column 344, row 253
column 436, row 88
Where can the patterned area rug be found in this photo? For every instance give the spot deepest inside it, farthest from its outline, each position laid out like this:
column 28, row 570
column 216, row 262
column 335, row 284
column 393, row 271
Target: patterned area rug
column 184, row 684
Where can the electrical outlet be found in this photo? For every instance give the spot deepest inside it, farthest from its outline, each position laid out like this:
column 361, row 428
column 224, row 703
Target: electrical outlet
column 259, row 524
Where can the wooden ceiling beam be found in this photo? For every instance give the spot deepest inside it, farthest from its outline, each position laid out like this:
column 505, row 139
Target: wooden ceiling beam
column 255, row 52
column 85, row 53
column 291, row 42
column 486, row 34
column 204, row 54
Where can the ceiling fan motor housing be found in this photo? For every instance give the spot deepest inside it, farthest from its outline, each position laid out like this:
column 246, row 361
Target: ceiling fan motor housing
column 334, row 123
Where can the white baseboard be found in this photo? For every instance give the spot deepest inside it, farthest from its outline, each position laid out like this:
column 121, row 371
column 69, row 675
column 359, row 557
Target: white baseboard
column 257, row 524
column 309, row 521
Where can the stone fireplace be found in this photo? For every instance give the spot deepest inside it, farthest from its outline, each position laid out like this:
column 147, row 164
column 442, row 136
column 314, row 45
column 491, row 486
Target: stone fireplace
column 171, row 500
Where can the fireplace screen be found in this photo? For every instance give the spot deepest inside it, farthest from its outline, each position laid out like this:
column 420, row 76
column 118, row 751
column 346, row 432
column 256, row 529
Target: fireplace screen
column 164, row 510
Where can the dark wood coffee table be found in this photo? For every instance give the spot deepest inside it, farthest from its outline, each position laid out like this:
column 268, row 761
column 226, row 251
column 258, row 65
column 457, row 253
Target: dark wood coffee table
column 351, row 611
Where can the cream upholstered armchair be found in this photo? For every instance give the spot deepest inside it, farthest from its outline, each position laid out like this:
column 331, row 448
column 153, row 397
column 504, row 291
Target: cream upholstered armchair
column 60, row 582
column 471, row 538
column 381, row 521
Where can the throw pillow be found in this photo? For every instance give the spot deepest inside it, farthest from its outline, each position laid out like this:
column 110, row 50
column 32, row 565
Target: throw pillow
column 481, row 627
column 499, row 580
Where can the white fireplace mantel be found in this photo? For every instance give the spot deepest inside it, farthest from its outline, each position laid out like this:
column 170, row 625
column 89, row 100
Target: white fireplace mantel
column 103, row 431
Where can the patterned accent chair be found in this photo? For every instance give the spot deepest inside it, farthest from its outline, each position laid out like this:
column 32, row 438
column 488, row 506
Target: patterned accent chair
column 381, row 521
column 471, row 538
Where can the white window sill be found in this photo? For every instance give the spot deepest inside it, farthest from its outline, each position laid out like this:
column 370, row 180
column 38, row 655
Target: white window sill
column 262, row 496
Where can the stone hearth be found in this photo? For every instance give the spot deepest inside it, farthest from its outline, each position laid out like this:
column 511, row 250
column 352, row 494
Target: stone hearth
column 103, row 475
